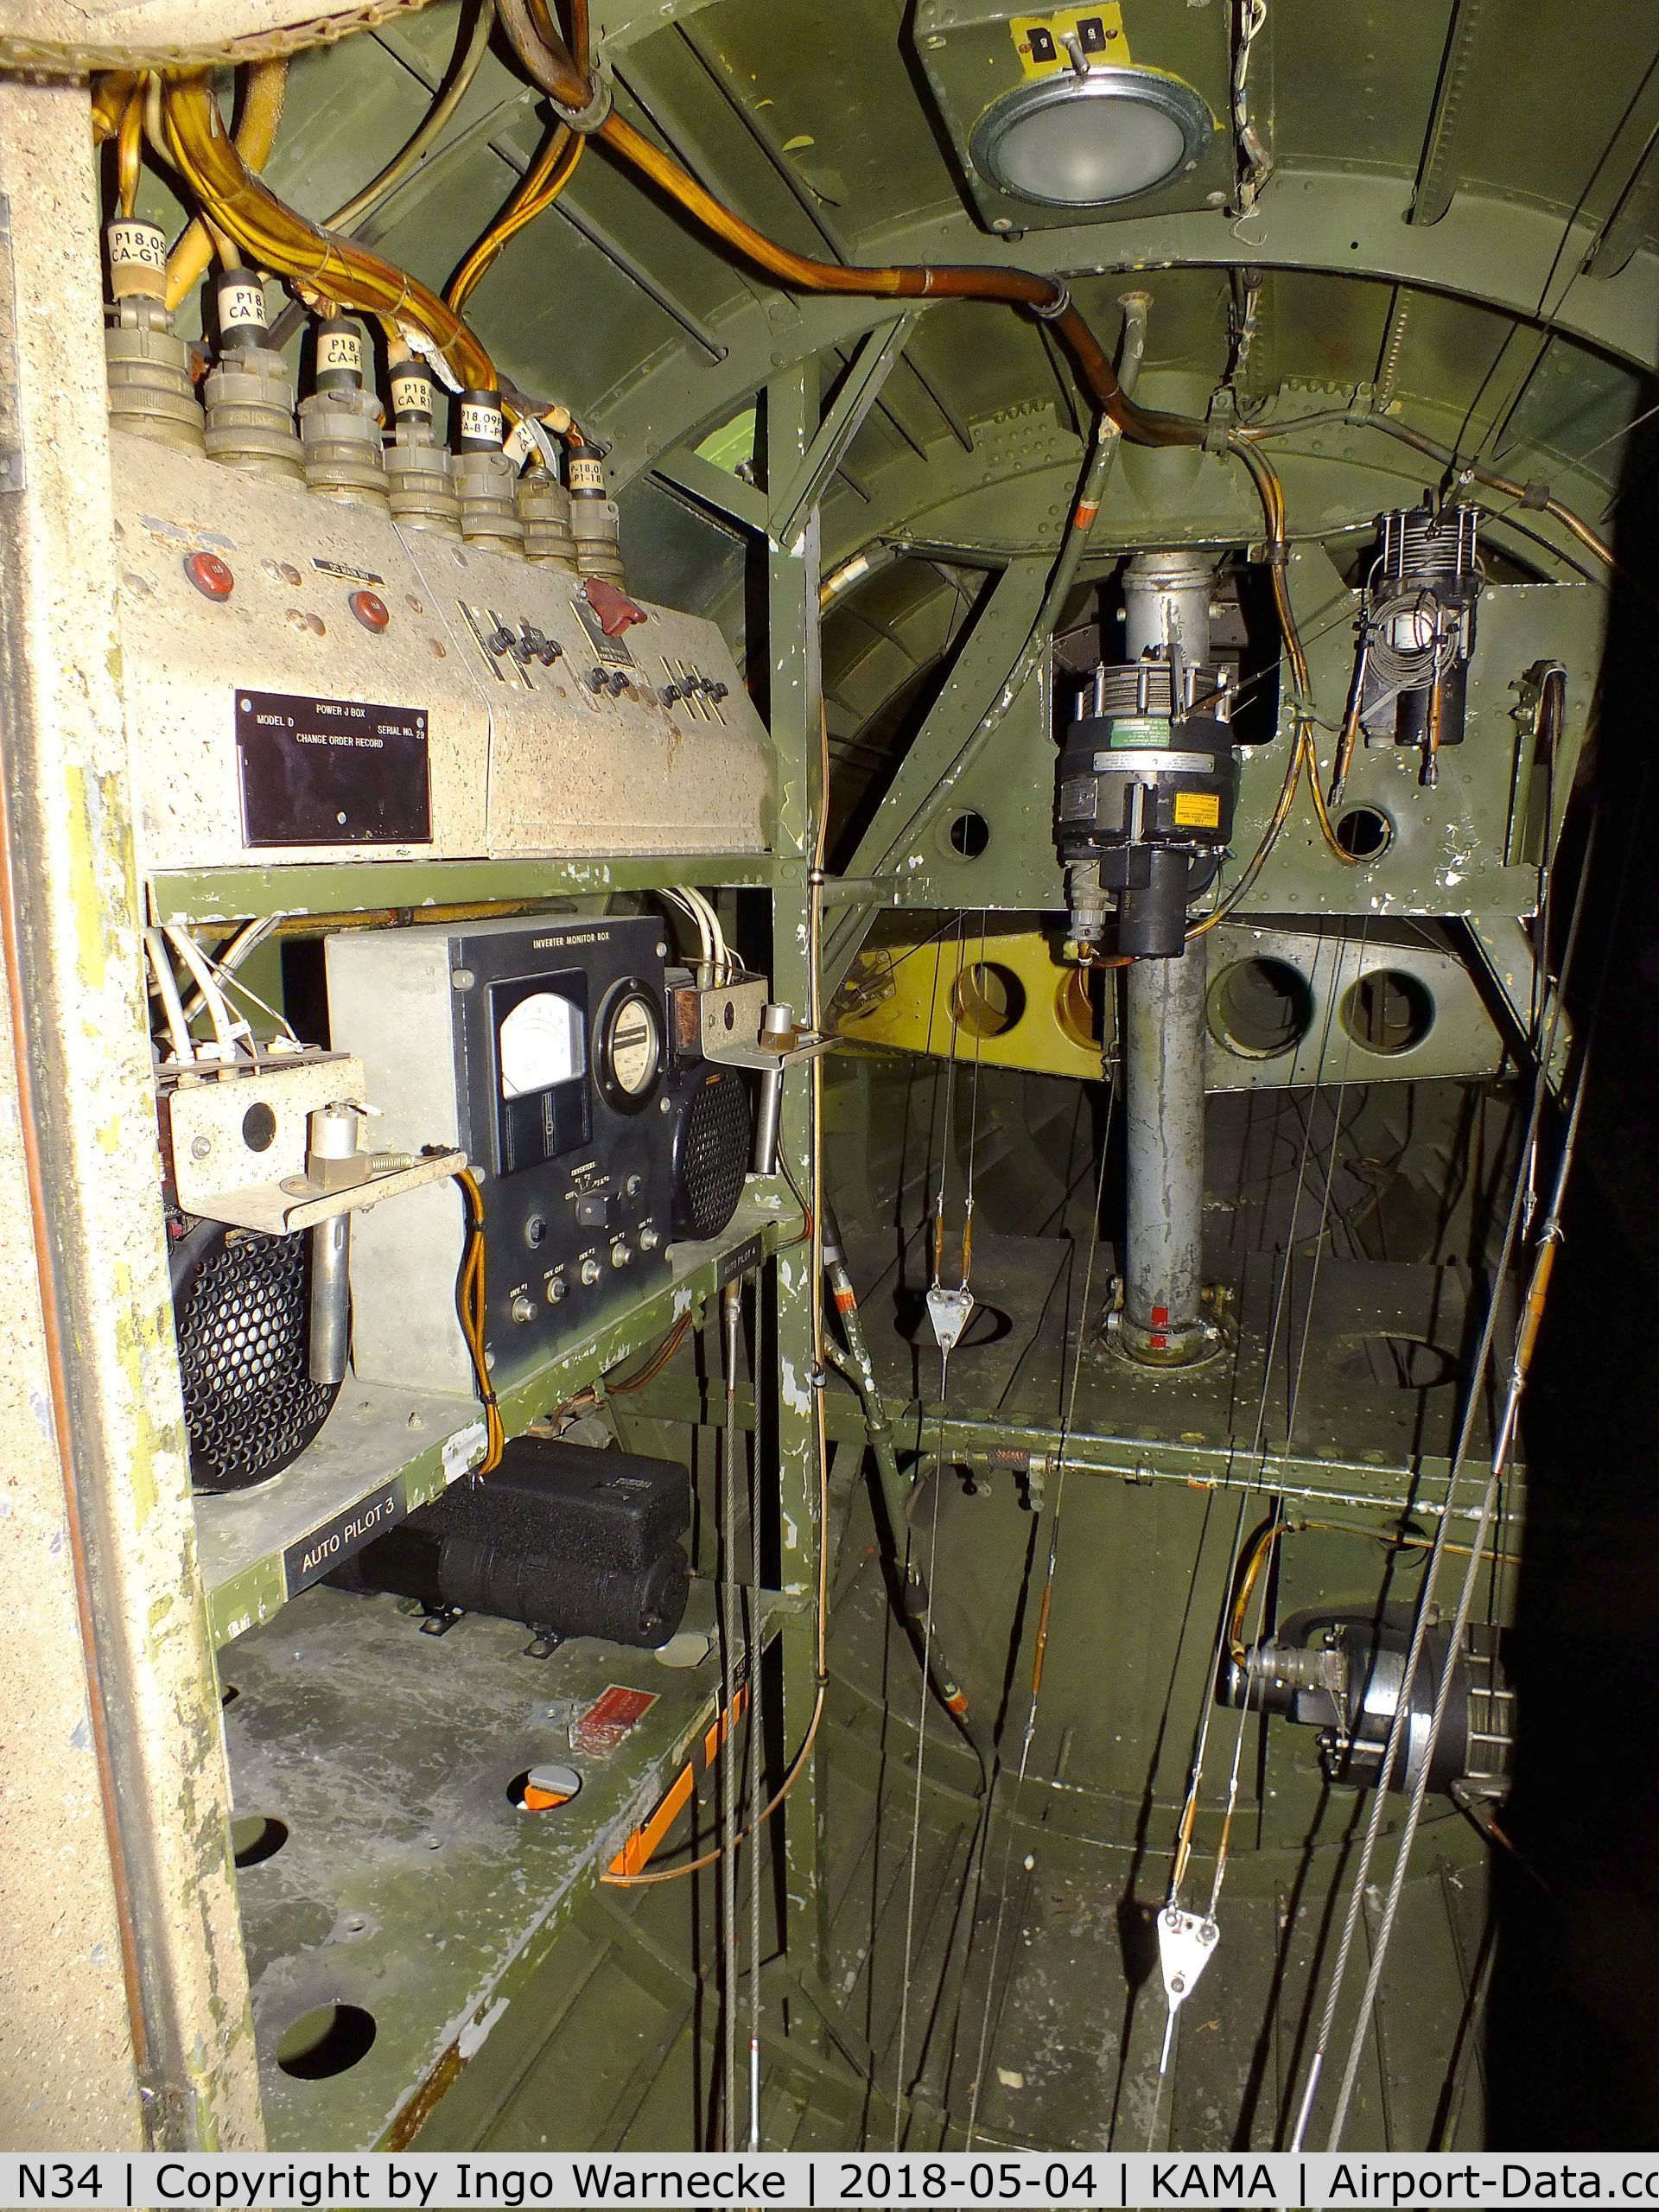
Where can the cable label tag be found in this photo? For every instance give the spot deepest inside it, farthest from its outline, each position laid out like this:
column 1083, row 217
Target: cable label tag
column 135, row 243
column 586, row 476
column 481, row 422
column 412, row 392
column 339, row 349
column 420, row 345
column 741, row 1260
column 464, row 1450
column 241, row 305
column 530, row 436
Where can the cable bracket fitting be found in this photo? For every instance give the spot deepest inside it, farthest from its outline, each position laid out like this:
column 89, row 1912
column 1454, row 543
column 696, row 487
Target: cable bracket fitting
column 1059, row 305
column 587, row 119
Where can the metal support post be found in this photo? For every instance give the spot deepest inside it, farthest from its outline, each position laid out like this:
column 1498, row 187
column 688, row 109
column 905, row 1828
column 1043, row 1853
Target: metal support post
column 127, row 2008
column 791, row 421
column 1163, row 1097
column 1167, row 612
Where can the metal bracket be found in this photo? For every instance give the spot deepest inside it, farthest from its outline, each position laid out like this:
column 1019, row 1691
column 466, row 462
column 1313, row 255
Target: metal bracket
column 1186, row 1943
column 949, row 1311
column 239, row 1141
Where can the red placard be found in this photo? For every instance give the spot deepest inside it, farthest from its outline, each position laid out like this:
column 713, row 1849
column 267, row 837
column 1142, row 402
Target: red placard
column 609, row 1718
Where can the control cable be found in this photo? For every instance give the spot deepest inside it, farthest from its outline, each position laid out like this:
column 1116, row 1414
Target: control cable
column 731, row 1311
column 1425, row 1599
column 947, row 1341
column 1041, row 1643
column 1242, row 1574
column 819, row 1427
column 1547, row 1245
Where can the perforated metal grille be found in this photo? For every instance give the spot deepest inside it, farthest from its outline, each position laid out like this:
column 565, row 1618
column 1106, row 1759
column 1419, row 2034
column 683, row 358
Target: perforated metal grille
column 711, row 1153
column 240, row 1305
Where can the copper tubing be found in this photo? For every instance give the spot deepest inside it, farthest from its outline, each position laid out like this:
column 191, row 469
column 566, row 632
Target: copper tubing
column 1506, row 485
column 255, row 134
column 548, row 63
column 275, row 237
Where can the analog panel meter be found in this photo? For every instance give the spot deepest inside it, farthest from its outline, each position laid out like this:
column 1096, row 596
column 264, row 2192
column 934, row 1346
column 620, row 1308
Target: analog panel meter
column 628, row 1047
column 540, row 1043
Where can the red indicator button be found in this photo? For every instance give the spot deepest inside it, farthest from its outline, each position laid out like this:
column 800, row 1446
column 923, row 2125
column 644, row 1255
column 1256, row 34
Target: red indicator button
column 371, row 610
column 209, row 575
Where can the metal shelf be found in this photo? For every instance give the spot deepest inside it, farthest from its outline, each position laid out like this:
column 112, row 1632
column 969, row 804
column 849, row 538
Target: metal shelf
column 380, row 1441
column 232, row 894
column 406, row 1885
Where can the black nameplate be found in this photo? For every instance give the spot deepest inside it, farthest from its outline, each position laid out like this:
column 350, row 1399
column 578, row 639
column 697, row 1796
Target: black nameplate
column 741, row 1260
column 331, row 771
column 332, row 1543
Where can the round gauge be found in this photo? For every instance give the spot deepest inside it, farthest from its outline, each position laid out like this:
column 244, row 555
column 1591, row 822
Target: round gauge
column 628, row 1047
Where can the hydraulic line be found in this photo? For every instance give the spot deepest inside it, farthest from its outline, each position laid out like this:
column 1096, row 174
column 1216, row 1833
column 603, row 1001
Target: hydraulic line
column 1520, row 493
column 548, row 63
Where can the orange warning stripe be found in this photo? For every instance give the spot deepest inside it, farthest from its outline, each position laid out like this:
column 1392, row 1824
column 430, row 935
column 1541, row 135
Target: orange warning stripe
column 647, row 1839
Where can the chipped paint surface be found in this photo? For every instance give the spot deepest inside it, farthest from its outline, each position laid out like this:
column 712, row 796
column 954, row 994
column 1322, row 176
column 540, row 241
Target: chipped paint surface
column 88, row 1058
column 796, row 1394
column 473, row 2036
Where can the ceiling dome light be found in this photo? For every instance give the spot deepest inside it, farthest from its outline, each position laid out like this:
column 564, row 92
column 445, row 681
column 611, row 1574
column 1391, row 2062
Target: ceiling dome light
column 1068, row 141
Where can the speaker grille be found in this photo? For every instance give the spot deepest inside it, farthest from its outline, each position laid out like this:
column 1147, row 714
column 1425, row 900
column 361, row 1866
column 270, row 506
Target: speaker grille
column 241, row 1306
column 711, row 1153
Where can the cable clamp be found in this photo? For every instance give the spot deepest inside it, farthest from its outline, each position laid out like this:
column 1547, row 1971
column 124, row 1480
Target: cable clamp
column 1060, row 305
column 1536, row 496
column 587, row 119
column 818, row 1377
column 817, row 877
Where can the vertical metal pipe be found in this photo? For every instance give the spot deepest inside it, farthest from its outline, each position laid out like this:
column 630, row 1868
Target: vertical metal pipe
column 1163, row 1088
column 331, row 1298
column 1167, row 612
column 333, row 1145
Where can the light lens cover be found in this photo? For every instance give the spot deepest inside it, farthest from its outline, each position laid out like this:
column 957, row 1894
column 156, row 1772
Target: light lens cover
column 1088, row 141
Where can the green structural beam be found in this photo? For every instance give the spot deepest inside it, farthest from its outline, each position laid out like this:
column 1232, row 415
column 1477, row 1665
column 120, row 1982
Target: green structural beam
column 922, row 782
column 845, row 416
